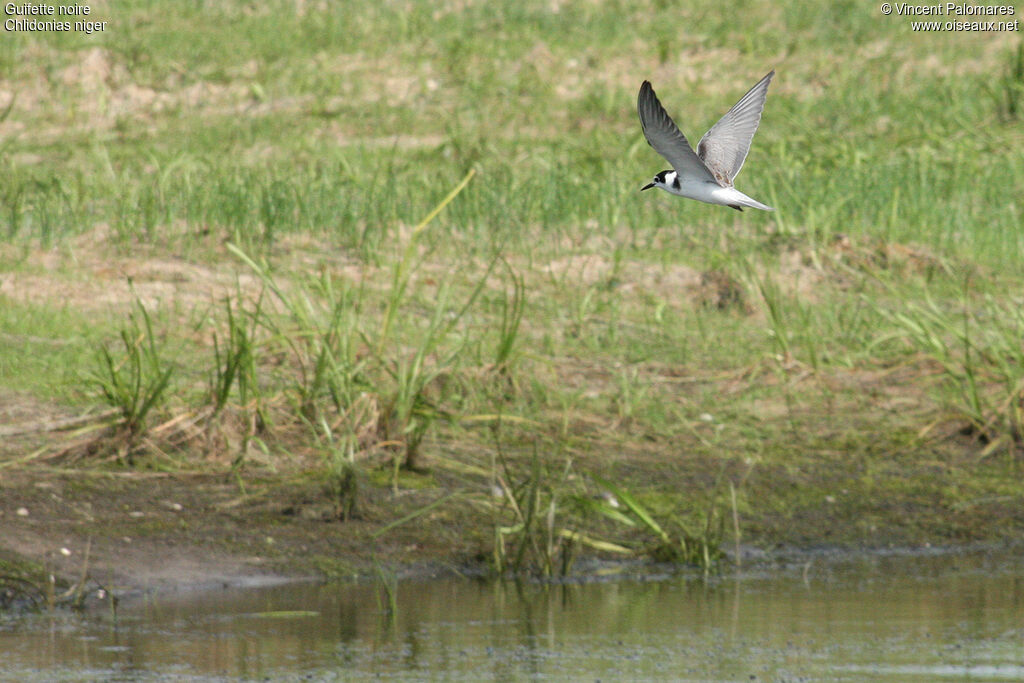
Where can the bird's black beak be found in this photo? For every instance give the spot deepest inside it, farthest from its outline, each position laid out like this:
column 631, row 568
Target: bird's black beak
column 647, row 187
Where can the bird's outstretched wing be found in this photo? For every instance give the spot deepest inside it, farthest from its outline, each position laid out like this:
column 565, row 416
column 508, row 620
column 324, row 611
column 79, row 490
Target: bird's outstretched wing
column 665, row 137
column 724, row 148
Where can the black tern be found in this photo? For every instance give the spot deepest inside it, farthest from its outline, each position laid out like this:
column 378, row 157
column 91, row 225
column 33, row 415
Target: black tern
column 706, row 175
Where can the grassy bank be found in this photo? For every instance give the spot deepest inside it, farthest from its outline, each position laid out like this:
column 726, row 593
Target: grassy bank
column 399, row 247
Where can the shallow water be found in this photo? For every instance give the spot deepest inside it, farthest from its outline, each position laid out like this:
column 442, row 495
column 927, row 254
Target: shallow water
column 900, row 618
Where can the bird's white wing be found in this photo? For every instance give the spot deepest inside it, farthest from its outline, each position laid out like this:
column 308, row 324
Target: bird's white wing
column 724, row 148
column 665, row 137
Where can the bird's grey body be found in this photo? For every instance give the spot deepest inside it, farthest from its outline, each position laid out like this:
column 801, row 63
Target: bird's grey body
column 706, row 175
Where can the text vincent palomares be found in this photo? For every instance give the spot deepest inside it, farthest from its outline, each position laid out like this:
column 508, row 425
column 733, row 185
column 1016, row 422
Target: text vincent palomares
column 952, row 9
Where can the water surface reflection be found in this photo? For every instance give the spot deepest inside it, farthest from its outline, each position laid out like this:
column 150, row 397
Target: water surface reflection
column 884, row 618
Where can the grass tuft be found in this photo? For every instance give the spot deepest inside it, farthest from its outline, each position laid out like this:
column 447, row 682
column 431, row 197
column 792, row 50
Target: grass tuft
column 135, row 382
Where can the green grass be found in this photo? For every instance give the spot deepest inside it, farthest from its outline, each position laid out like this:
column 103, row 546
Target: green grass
column 45, row 348
column 662, row 344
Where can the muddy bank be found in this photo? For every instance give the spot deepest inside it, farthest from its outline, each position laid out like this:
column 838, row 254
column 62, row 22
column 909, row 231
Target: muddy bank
column 139, row 531
column 134, row 531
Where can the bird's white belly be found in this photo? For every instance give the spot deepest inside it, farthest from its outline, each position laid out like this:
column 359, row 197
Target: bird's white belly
column 711, row 193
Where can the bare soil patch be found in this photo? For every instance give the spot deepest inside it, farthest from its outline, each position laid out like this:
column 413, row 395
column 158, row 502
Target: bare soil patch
column 144, row 531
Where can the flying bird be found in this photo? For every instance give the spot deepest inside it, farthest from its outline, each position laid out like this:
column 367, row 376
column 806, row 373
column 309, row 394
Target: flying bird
column 706, row 175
